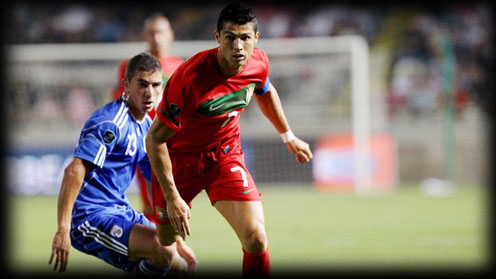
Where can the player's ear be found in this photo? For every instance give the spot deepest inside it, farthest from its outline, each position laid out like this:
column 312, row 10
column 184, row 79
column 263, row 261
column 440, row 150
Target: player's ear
column 125, row 82
column 217, row 36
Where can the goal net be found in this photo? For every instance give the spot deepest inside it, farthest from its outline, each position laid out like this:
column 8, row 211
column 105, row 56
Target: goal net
column 322, row 82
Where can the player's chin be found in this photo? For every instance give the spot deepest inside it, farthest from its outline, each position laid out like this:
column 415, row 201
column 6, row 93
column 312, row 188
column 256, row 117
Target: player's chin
column 237, row 63
column 148, row 107
column 148, row 110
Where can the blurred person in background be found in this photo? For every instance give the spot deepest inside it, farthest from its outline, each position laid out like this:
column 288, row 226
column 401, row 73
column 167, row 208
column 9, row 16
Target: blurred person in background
column 194, row 142
column 158, row 33
column 93, row 212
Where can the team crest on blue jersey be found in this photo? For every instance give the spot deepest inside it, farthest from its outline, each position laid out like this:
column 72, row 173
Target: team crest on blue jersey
column 108, row 137
column 116, row 231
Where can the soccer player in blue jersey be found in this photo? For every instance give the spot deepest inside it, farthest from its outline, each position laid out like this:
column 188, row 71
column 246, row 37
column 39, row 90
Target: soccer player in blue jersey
column 94, row 214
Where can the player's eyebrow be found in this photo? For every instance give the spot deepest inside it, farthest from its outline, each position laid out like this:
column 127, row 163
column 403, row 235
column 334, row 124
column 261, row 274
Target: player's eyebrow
column 148, row 82
column 246, row 32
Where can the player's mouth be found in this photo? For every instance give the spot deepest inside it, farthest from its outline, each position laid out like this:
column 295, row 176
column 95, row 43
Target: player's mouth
column 239, row 57
column 148, row 104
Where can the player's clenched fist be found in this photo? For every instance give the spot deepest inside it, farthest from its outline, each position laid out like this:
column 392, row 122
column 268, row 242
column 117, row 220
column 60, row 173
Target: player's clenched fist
column 301, row 149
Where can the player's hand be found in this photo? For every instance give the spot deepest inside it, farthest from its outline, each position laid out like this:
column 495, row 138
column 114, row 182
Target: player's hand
column 60, row 249
column 179, row 213
column 301, row 149
column 188, row 255
column 179, row 268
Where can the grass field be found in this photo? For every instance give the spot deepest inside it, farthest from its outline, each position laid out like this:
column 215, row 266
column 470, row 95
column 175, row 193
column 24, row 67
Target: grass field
column 307, row 230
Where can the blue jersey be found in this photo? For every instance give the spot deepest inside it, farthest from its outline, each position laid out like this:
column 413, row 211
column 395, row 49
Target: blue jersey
column 114, row 141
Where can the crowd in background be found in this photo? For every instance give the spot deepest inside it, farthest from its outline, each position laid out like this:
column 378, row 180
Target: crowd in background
column 416, row 81
column 414, row 87
column 117, row 22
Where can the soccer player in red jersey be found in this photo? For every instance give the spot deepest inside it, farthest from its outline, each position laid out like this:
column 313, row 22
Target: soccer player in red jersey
column 158, row 33
column 194, row 142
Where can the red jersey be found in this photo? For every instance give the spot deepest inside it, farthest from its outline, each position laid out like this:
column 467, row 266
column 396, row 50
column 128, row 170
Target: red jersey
column 203, row 106
column 169, row 65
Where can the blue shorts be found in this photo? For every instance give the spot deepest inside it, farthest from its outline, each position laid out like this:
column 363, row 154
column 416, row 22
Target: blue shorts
column 105, row 234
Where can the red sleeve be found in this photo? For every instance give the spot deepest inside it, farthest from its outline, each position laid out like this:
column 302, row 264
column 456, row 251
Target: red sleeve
column 174, row 109
column 119, row 87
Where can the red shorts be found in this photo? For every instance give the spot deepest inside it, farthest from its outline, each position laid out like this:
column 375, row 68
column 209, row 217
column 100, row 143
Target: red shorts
column 222, row 176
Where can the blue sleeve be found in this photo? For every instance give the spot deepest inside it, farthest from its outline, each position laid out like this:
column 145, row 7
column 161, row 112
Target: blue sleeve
column 146, row 168
column 96, row 141
column 264, row 88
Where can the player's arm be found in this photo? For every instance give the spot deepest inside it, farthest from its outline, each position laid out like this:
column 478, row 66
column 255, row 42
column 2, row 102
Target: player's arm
column 178, row 210
column 182, row 248
column 71, row 184
column 271, row 106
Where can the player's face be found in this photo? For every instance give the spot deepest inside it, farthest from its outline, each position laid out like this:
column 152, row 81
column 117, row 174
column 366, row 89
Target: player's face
column 236, row 46
column 143, row 91
column 159, row 35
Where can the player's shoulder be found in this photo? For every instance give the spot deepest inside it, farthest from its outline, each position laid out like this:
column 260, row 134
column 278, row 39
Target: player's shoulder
column 114, row 113
column 195, row 65
column 260, row 55
column 201, row 58
column 110, row 109
column 258, row 63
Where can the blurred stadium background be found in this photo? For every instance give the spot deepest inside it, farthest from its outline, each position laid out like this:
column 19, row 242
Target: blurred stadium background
column 427, row 89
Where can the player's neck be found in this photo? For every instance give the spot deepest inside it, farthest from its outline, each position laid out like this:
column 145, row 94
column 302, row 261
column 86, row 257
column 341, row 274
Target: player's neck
column 136, row 113
column 224, row 67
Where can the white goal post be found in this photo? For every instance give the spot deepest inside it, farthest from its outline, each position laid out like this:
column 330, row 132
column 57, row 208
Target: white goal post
column 355, row 47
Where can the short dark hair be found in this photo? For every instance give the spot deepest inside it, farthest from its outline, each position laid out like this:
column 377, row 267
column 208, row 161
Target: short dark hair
column 239, row 13
column 143, row 62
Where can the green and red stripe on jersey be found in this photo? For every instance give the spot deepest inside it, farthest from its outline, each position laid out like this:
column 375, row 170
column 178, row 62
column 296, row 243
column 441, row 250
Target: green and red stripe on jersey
column 203, row 106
